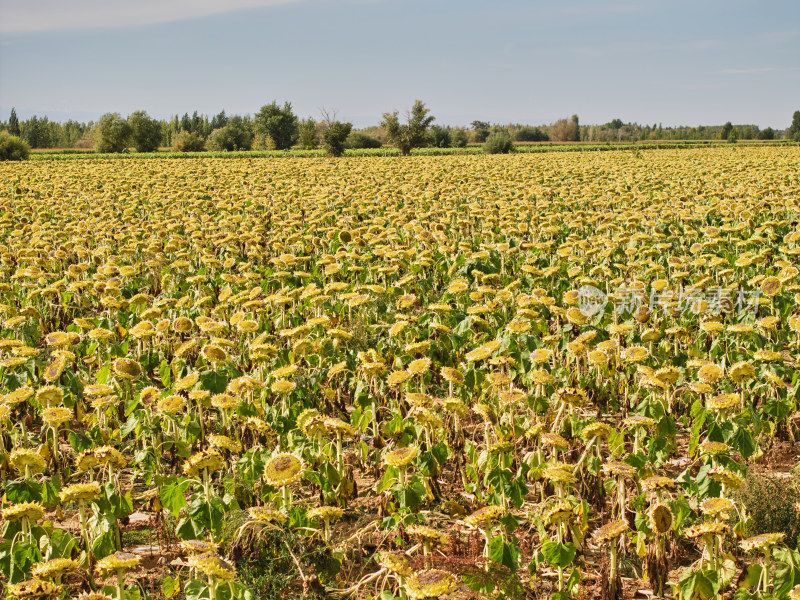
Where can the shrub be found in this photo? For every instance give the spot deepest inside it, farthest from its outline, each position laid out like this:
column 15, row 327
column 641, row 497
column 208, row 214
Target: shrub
column 770, row 501
column 189, row 142
column 235, row 135
column 356, row 139
column 12, row 147
column 498, row 143
column 440, row 137
column 112, row 133
column 530, row 134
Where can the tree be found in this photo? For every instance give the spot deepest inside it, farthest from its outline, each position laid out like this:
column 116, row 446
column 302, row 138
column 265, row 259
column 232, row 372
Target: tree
column 307, row 138
column 725, row 131
column 530, row 134
column 766, row 134
column 481, row 129
column 189, row 142
column 793, row 133
column 13, row 123
column 219, row 121
column 145, row 131
column 440, row 137
column 234, row 136
column 733, row 136
column 459, row 138
column 111, row 133
column 566, row 131
column 411, row 134
column 276, row 126
column 334, row 136
column 12, row 148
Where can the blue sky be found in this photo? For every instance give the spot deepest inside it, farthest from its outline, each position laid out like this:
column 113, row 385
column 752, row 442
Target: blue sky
column 674, row 62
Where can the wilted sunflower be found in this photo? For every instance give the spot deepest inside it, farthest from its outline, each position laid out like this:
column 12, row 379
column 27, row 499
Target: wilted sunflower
column 209, row 460
column 127, row 368
column 27, row 461
column 430, row 583
column 33, row 588
column 80, row 491
column 283, row 470
column 54, row 569
column 114, row 563
column 32, row 511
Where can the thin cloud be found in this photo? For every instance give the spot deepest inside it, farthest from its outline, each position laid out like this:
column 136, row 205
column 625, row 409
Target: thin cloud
column 35, row 16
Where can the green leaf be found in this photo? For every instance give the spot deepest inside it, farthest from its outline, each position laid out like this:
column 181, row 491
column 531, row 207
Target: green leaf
column 558, row 554
column 28, row 490
column 170, row 587
column 502, row 552
column 214, row 381
column 172, row 495
column 701, row 585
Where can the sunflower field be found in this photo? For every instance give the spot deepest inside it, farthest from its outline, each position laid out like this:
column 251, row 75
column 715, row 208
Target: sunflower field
column 530, row 376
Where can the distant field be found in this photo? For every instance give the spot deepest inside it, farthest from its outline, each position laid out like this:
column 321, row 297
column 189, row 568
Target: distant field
column 520, row 147
column 565, row 374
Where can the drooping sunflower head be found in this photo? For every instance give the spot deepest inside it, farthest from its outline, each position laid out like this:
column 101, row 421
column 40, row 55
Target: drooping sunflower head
column 54, row 568
column 394, row 562
column 266, row 515
column 283, row 469
column 487, row 514
column 214, row 566
column 33, row 588
column 609, row 532
column 430, row 583
column 127, row 368
column 24, row 457
column 33, row 511
column 205, row 459
column 119, row 561
column 423, row 533
column 660, row 518
column 80, row 491
column 401, row 457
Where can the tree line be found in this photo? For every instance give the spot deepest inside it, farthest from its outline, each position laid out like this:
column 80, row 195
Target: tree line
column 277, row 127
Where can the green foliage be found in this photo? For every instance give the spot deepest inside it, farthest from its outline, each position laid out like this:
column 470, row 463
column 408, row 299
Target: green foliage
column 498, row 143
column 411, row 134
column 13, row 123
column 234, row 135
column 308, row 139
column 458, row 138
column 769, row 502
column 766, row 134
column 189, row 142
column 112, row 133
column 793, row 133
column 278, row 124
column 481, row 129
column 12, row 147
column 145, row 131
column 530, row 134
column 357, row 140
column 733, row 136
column 334, row 137
column 440, row 137
column 725, row 131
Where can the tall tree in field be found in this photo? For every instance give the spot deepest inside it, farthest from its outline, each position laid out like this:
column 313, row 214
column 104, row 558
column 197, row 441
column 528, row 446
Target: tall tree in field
column 111, row 133
column 145, row 131
column 276, row 126
column 793, row 133
column 411, row 134
column 13, row 123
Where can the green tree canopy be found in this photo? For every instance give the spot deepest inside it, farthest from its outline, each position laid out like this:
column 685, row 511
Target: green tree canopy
column 276, row 126
column 13, row 123
column 145, row 131
column 111, row 133
column 411, row 134
column 334, row 136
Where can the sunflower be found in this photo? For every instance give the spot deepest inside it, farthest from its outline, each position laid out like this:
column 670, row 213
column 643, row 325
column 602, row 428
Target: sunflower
column 283, row 470
column 33, row 588
column 430, row 583
column 80, row 491
column 401, row 457
column 119, row 561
